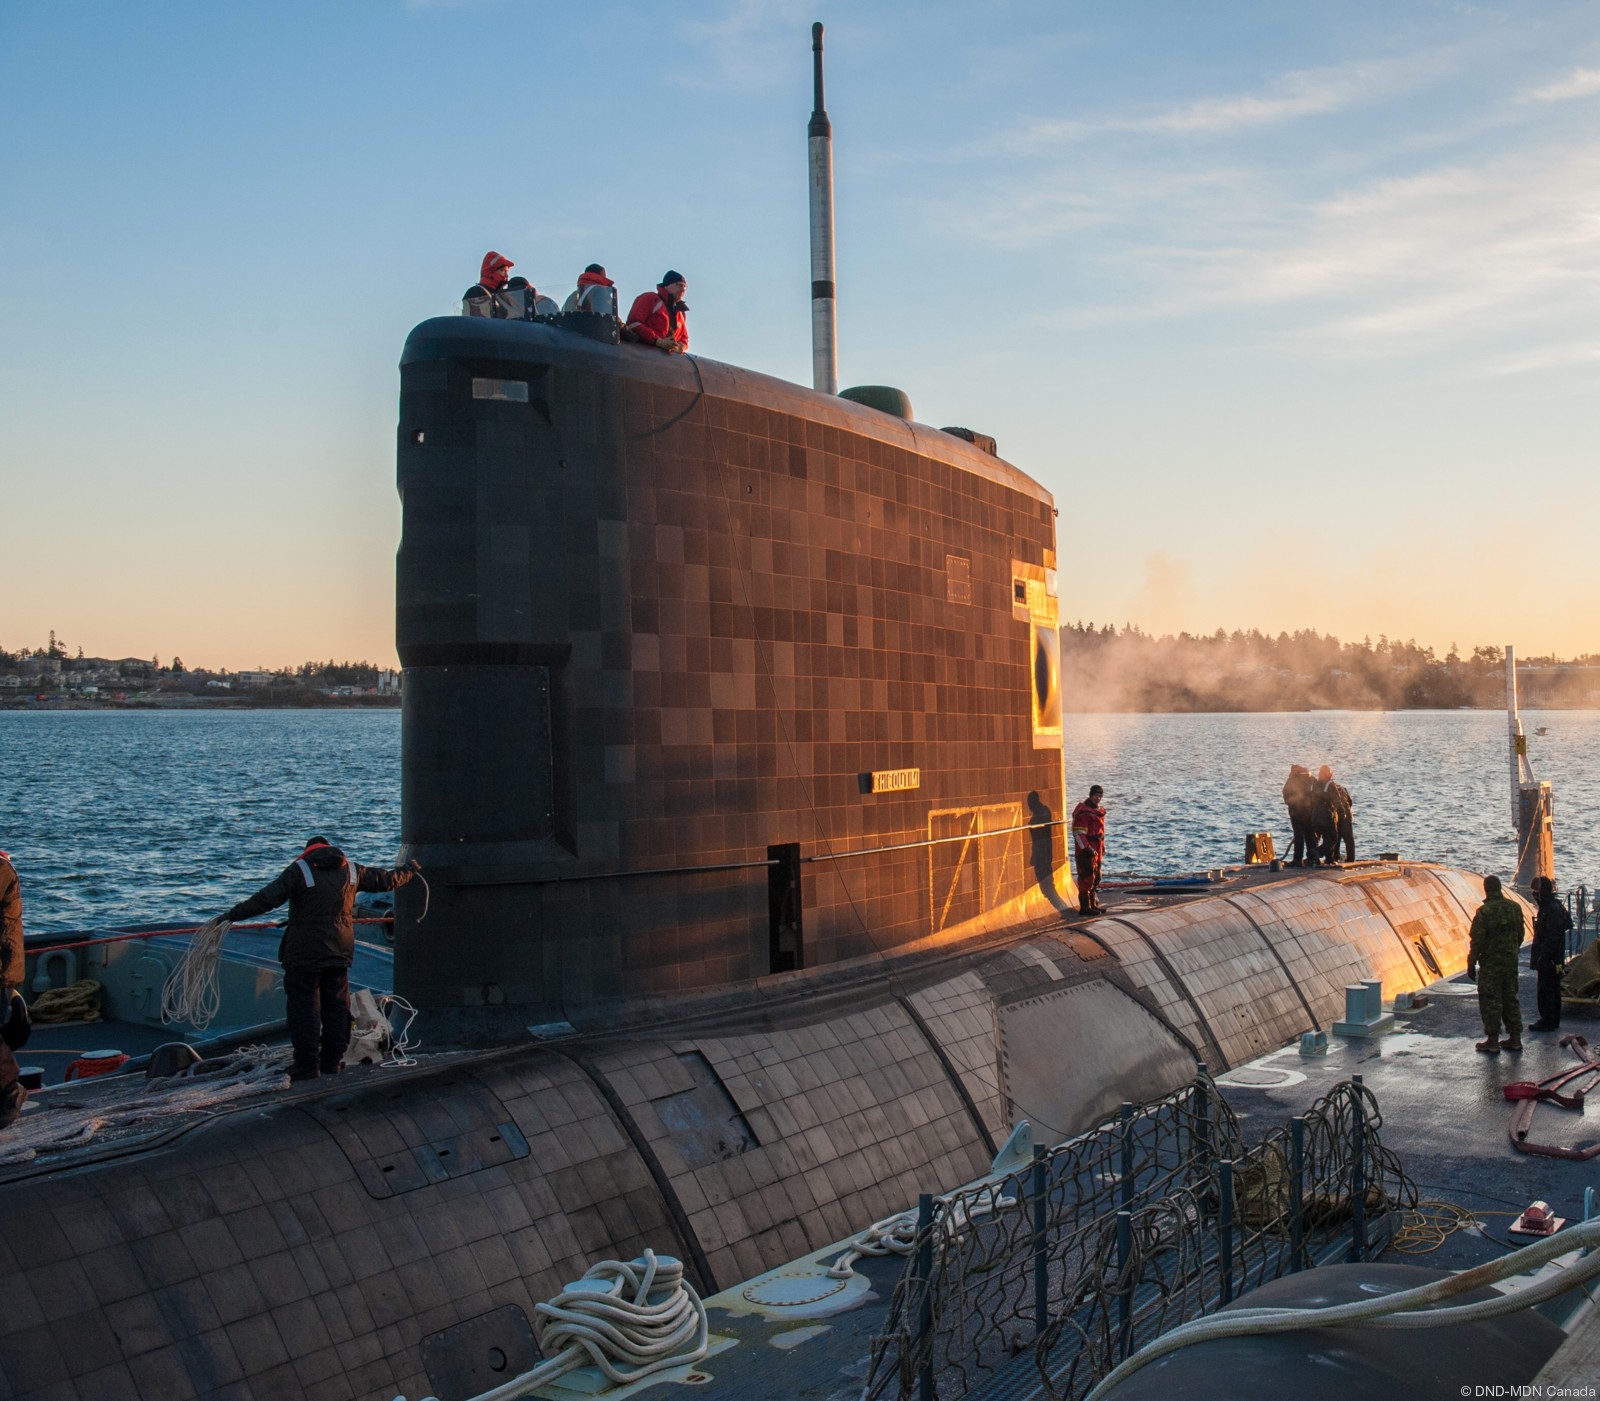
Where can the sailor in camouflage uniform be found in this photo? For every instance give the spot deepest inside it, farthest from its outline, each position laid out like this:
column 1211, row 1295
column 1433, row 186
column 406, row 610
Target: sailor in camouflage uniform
column 1498, row 929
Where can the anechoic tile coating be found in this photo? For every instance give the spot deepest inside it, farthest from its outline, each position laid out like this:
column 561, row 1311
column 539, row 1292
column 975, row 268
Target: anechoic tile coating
column 960, row 1014
column 1228, row 981
column 263, row 1255
column 735, row 595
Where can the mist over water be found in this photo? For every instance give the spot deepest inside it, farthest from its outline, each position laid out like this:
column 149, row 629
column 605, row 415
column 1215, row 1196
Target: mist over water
column 1183, row 790
column 127, row 817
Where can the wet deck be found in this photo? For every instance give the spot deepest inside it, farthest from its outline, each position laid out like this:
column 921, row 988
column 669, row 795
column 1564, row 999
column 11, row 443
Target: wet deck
column 1444, row 1115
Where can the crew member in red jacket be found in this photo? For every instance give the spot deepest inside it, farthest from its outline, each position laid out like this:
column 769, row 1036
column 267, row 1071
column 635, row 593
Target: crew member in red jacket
column 1089, row 848
column 479, row 299
column 659, row 318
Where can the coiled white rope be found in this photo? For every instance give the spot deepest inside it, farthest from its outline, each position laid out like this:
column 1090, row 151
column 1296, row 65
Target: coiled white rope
column 1408, row 1309
column 894, row 1235
column 400, row 1043
column 193, row 993
column 897, row 1235
column 629, row 1317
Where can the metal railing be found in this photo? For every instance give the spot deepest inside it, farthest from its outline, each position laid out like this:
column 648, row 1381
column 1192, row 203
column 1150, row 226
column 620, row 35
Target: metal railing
column 1585, row 913
column 1156, row 1217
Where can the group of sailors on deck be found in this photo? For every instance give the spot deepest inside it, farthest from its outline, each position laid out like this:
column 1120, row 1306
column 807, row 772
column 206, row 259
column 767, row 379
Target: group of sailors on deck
column 658, row 318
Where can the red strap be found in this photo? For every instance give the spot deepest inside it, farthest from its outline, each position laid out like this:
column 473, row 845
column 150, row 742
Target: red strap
column 86, row 1068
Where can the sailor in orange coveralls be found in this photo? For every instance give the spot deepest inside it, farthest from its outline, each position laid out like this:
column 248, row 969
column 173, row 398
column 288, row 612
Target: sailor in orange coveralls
column 1089, row 848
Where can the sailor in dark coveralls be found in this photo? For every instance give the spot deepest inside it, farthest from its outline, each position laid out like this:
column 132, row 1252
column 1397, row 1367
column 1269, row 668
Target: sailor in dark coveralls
column 1497, row 931
column 1299, row 791
column 1330, row 811
column 1344, row 821
column 1548, row 956
column 318, row 947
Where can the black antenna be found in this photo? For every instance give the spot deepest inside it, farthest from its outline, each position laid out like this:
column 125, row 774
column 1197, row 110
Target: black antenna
column 819, row 115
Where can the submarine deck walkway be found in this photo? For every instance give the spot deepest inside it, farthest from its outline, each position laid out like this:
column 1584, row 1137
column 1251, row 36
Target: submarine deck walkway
column 1443, row 1115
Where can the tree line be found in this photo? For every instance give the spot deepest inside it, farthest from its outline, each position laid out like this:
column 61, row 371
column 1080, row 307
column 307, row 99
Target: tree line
column 315, row 674
column 1126, row 668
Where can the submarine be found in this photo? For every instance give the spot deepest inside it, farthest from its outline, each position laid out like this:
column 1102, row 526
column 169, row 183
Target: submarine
column 732, row 751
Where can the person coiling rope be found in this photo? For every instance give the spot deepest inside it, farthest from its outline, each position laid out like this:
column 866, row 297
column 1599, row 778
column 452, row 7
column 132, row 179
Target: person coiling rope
column 319, row 944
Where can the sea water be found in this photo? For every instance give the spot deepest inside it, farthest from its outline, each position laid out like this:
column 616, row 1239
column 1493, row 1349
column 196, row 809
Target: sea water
column 121, row 817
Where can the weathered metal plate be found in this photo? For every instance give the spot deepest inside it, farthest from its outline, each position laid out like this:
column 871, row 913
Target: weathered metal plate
column 397, row 1142
column 480, row 1354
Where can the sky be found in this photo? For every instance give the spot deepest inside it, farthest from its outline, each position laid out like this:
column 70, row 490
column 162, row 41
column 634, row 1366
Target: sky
column 1294, row 308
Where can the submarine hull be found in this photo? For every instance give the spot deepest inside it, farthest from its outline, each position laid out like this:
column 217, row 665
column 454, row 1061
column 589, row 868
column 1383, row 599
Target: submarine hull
column 392, row 1231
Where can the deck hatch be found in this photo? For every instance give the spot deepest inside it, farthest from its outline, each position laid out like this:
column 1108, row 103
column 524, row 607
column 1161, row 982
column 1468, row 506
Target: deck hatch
column 480, row 1353
column 405, row 1138
column 704, row 1122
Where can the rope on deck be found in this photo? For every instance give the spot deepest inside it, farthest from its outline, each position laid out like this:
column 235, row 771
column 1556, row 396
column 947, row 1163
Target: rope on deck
column 48, row 1130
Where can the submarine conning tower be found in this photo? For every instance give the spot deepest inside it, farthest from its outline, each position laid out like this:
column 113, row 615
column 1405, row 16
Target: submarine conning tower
column 708, row 678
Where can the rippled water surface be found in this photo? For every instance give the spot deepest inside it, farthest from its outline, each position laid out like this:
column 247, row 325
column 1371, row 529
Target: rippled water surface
column 123, row 817
column 1183, row 790
column 119, row 817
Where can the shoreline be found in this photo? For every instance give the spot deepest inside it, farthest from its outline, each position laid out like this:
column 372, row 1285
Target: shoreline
column 208, row 705
column 191, row 705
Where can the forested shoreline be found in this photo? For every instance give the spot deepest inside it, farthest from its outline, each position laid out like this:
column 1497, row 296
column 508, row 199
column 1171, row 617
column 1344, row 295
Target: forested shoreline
column 1127, row 669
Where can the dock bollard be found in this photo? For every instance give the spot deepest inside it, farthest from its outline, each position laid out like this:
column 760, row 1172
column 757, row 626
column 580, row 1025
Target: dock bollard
column 1363, row 1010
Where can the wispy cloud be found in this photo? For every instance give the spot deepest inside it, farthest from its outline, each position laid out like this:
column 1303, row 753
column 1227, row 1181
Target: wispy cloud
column 749, row 43
column 1581, row 82
column 1549, row 357
column 1511, row 245
column 1497, row 257
column 1303, row 93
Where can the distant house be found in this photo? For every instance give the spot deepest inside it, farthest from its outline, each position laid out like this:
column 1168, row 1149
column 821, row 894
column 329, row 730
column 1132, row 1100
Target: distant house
column 255, row 678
